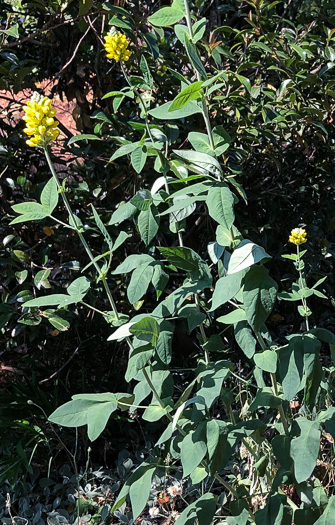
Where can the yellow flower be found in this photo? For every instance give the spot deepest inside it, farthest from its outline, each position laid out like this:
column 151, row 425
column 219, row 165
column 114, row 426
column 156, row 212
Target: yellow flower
column 116, row 46
column 298, row 236
column 40, row 124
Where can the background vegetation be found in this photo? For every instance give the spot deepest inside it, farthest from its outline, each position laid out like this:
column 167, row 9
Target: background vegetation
column 274, row 108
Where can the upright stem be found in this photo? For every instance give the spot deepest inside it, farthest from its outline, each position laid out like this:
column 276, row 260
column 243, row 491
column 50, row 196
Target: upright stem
column 80, row 235
column 205, row 113
column 138, row 93
column 274, row 386
column 301, row 283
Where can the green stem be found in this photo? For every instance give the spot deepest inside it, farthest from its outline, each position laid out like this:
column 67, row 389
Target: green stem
column 301, row 284
column 274, row 386
column 139, row 94
column 182, row 432
column 61, row 222
column 80, row 235
column 205, row 113
column 93, row 308
column 202, row 331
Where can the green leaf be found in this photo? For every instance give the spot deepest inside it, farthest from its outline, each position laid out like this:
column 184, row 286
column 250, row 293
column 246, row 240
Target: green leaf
column 200, row 142
column 275, row 512
column 228, row 238
column 138, row 158
column 265, row 398
column 294, row 361
column 193, row 449
column 266, row 361
column 281, row 447
column 93, row 411
column 30, row 211
column 191, row 92
column 233, row 317
column 246, row 254
column 201, row 510
column 78, row 138
column 139, row 491
column 136, row 475
column 245, row 339
column 259, row 296
column 305, row 448
column 139, row 282
column 163, row 112
column 220, row 202
column 102, row 228
column 164, row 343
column 146, row 72
column 76, row 292
column 146, row 329
column 211, row 382
column 328, row 514
column 181, row 203
column 138, row 359
column 204, row 161
column 215, row 251
column 167, row 16
column 79, row 287
column 124, row 150
column 60, row 300
column 199, row 29
column 148, row 224
column 142, row 200
column 41, row 279
column 59, row 323
column 122, row 213
column 181, row 32
column 22, row 276
column 159, row 279
column 11, row 31
column 183, row 258
column 49, row 196
column 193, row 316
column 132, row 262
column 194, row 57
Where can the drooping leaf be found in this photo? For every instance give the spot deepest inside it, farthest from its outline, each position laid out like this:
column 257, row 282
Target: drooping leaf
column 201, row 510
column 148, row 224
column 139, row 491
column 220, row 202
column 259, row 295
column 139, row 282
column 244, row 338
column 305, row 448
column 193, row 449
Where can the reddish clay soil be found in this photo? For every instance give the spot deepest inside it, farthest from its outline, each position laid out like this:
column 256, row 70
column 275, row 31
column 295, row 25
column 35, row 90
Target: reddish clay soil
column 14, row 102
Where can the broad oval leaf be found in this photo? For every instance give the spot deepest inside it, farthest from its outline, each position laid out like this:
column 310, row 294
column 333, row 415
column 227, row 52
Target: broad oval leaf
column 246, row 254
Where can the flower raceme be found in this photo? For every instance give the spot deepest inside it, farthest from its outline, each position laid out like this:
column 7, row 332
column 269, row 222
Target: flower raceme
column 116, row 46
column 40, row 123
column 298, row 236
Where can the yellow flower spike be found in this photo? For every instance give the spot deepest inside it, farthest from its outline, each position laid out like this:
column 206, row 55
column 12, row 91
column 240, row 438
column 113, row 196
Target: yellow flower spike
column 40, row 124
column 116, row 46
column 298, row 236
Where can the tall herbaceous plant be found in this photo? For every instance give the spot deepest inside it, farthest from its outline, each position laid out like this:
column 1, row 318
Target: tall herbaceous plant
column 224, row 293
